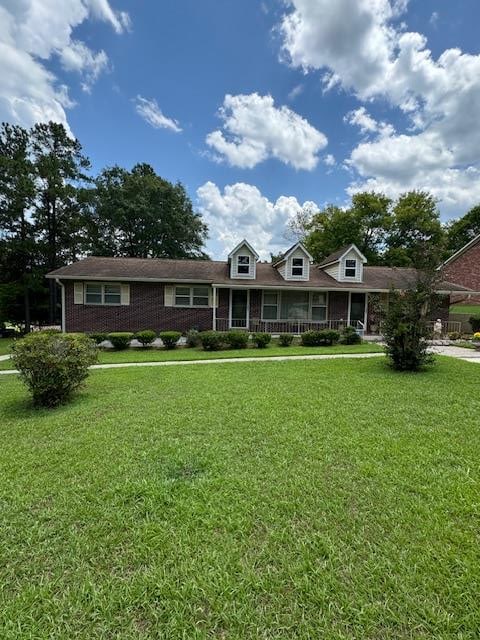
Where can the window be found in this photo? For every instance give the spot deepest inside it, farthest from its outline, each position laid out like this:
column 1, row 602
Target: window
column 191, row 296
column 350, row 268
column 270, row 306
column 297, row 267
column 103, row 294
column 243, row 265
column 295, row 305
column 319, row 306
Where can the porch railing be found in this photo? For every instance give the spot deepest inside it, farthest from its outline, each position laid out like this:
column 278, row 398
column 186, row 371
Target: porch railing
column 297, row 327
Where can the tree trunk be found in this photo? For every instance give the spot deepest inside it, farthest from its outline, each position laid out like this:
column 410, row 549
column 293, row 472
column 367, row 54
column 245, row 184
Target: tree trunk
column 26, row 308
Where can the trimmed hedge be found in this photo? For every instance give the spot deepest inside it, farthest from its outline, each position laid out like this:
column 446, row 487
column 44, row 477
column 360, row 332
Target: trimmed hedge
column 237, row 339
column 120, row 339
column 146, row 337
column 170, row 338
column 192, row 338
column 53, row 365
column 212, row 340
column 350, row 336
column 98, row 338
column 261, row 339
column 475, row 323
column 285, row 339
column 325, row 337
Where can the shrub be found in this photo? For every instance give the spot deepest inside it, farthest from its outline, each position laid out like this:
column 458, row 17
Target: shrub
column 261, row 339
column 53, row 365
column 475, row 323
column 285, row 339
column 170, row 338
column 212, row 340
column 192, row 338
column 98, row 337
column 350, row 336
column 476, row 336
column 146, row 337
column 325, row 337
column 455, row 335
column 237, row 339
column 120, row 339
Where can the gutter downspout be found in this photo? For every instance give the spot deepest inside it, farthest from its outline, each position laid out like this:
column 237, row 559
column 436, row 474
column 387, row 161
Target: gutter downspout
column 214, row 295
column 62, row 288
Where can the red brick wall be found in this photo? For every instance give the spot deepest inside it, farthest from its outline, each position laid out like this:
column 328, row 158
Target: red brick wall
column 145, row 311
column 255, row 304
column 465, row 270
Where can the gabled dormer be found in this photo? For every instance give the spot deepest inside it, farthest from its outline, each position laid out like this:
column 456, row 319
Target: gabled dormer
column 295, row 263
column 345, row 265
column 243, row 261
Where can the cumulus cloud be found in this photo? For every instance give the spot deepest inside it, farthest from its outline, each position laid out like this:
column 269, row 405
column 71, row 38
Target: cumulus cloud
column 152, row 114
column 241, row 211
column 254, row 129
column 31, row 33
column 376, row 58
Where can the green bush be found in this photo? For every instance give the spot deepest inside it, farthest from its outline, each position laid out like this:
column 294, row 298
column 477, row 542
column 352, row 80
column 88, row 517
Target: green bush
column 192, row 338
column 261, row 339
column 98, row 337
column 325, row 337
column 146, row 337
column 53, row 365
column 120, row 339
column 212, row 340
column 475, row 323
column 237, row 339
column 285, row 339
column 455, row 335
column 170, row 338
column 350, row 336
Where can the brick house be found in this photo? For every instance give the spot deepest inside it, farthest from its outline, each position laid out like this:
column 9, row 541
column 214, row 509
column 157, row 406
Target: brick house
column 291, row 295
column 464, row 267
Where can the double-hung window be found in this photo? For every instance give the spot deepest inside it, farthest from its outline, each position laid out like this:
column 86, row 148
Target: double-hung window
column 106, row 294
column 191, row 296
column 319, row 306
column 243, row 265
column 350, row 268
column 297, row 267
column 270, row 305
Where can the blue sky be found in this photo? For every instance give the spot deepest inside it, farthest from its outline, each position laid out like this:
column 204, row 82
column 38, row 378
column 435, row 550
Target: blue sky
column 320, row 98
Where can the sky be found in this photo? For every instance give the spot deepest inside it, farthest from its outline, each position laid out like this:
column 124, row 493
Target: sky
column 261, row 108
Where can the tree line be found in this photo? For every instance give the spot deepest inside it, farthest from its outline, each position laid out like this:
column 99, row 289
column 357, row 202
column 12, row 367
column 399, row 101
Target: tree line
column 406, row 232
column 53, row 211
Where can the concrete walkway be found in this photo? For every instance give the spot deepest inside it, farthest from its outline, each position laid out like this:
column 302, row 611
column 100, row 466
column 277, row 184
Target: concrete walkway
column 470, row 355
column 7, row 357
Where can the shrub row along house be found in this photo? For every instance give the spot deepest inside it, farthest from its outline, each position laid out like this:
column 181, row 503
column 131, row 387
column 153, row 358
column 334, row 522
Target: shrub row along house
column 290, row 295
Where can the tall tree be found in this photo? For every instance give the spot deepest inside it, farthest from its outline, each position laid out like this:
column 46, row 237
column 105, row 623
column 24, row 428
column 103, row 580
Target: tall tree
column 17, row 192
column 139, row 214
column 60, row 169
column 461, row 231
column 416, row 237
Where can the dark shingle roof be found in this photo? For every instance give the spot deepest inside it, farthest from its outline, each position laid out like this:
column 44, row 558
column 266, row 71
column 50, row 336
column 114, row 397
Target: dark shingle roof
column 216, row 272
column 336, row 255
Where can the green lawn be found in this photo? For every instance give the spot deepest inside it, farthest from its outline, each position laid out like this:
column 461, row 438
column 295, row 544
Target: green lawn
column 5, row 344
column 472, row 309
column 307, row 500
column 182, row 353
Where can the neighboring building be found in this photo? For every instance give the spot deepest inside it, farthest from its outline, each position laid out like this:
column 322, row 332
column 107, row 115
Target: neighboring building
column 464, row 267
column 291, row 295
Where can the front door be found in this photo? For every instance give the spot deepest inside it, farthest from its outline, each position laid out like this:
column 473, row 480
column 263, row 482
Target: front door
column 357, row 308
column 239, row 309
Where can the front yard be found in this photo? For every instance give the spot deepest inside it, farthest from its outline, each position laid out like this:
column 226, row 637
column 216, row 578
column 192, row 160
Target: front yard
column 332, row 499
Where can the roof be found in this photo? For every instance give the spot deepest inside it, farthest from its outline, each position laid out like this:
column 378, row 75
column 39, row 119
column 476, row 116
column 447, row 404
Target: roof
column 338, row 255
column 246, row 244
column 461, row 251
column 290, row 250
column 218, row 273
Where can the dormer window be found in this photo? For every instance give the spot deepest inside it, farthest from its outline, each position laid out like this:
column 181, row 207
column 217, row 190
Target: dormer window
column 243, row 265
column 297, row 267
column 350, row 268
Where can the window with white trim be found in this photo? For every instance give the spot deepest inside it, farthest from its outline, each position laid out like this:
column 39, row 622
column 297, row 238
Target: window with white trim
column 350, row 268
column 270, row 305
column 105, row 294
column 319, row 306
column 243, row 265
column 297, row 267
column 191, row 296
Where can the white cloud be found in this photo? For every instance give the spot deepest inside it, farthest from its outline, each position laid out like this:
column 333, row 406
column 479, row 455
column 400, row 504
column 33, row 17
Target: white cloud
column 32, row 32
column 152, row 114
column 434, row 19
column 255, row 130
column 329, row 160
column 377, row 58
column 241, row 211
column 295, row 92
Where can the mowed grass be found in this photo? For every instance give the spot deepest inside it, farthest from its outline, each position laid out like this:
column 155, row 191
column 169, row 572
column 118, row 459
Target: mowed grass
column 473, row 309
column 5, row 345
column 329, row 500
column 140, row 354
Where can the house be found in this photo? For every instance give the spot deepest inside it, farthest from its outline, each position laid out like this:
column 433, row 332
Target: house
column 291, row 295
column 464, row 267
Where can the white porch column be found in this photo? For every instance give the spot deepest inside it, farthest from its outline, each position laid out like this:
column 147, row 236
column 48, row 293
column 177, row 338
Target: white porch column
column 214, row 297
